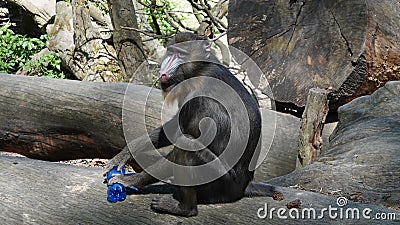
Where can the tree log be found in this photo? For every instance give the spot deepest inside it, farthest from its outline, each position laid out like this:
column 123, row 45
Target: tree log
column 279, row 141
column 56, row 120
column 37, row 192
column 349, row 48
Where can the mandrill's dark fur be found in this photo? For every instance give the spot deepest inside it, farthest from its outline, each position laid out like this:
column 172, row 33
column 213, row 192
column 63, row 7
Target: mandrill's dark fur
column 237, row 182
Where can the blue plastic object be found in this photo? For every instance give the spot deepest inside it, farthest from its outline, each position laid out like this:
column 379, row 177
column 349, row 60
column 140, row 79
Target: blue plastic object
column 115, row 192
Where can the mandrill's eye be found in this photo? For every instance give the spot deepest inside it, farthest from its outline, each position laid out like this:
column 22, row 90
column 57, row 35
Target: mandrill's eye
column 182, row 55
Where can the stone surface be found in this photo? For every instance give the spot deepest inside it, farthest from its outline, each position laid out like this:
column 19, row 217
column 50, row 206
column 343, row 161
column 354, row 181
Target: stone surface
column 280, row 134
column 363, row 157
column 42, row 10
column 80, row 45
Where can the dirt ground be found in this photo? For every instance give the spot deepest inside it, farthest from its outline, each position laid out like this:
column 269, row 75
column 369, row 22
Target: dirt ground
column 78, row 162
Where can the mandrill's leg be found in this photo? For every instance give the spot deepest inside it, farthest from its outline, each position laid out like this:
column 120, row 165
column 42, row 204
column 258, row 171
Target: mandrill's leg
column 185, row 203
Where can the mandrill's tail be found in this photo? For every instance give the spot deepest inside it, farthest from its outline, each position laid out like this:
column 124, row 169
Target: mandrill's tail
column 256, row 189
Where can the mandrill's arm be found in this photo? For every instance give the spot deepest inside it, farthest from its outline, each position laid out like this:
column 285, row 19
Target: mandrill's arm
column 155, row 139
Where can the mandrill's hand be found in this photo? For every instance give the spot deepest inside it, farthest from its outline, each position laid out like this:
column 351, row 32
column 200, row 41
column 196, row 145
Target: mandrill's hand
column 119, row 160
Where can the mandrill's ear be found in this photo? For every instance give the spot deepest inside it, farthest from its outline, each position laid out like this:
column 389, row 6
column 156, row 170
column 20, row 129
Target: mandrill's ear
column 207, row 48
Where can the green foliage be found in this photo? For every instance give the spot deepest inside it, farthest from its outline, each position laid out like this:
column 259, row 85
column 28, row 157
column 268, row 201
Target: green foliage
column 103, row 6
column 162, row 19
column 16, row 51
column 48, row 65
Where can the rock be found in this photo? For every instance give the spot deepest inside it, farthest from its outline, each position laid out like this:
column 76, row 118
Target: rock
column 363, row 157
column 81, row 46
column 3, row 13
column 42, row 10
column 279, row 144
column 61, row 33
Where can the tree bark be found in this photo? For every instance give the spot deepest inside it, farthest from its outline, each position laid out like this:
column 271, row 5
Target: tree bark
column 312, row 124
column 349, row 48
column 127, row 43
column 57, row 120
column 37, row 192
column 62, row 119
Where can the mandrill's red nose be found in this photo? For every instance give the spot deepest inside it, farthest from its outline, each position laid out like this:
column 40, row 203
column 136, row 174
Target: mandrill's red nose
column 163, row 78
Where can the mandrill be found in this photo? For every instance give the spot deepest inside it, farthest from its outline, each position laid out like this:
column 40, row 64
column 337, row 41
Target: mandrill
column 218, row 125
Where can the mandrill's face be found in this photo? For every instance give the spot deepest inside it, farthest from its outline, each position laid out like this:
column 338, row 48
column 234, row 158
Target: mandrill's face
column 168, row 75
column 184, row 55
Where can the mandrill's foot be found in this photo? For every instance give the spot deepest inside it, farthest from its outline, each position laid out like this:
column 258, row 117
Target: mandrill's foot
column 167, row 204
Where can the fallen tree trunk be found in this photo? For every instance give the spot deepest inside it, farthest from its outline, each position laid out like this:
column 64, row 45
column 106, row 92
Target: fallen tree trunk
column 56, row 120
column 349, row 48
column 59, row 120
column 37, row 192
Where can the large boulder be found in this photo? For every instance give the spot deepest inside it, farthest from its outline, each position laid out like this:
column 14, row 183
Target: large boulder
column 80, row 45
column 41, row 10
column 363, row 158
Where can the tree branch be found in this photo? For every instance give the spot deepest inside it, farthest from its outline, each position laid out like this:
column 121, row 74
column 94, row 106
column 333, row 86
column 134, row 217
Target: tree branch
column 148, row 33
column 152, row 8
column 177, row 21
